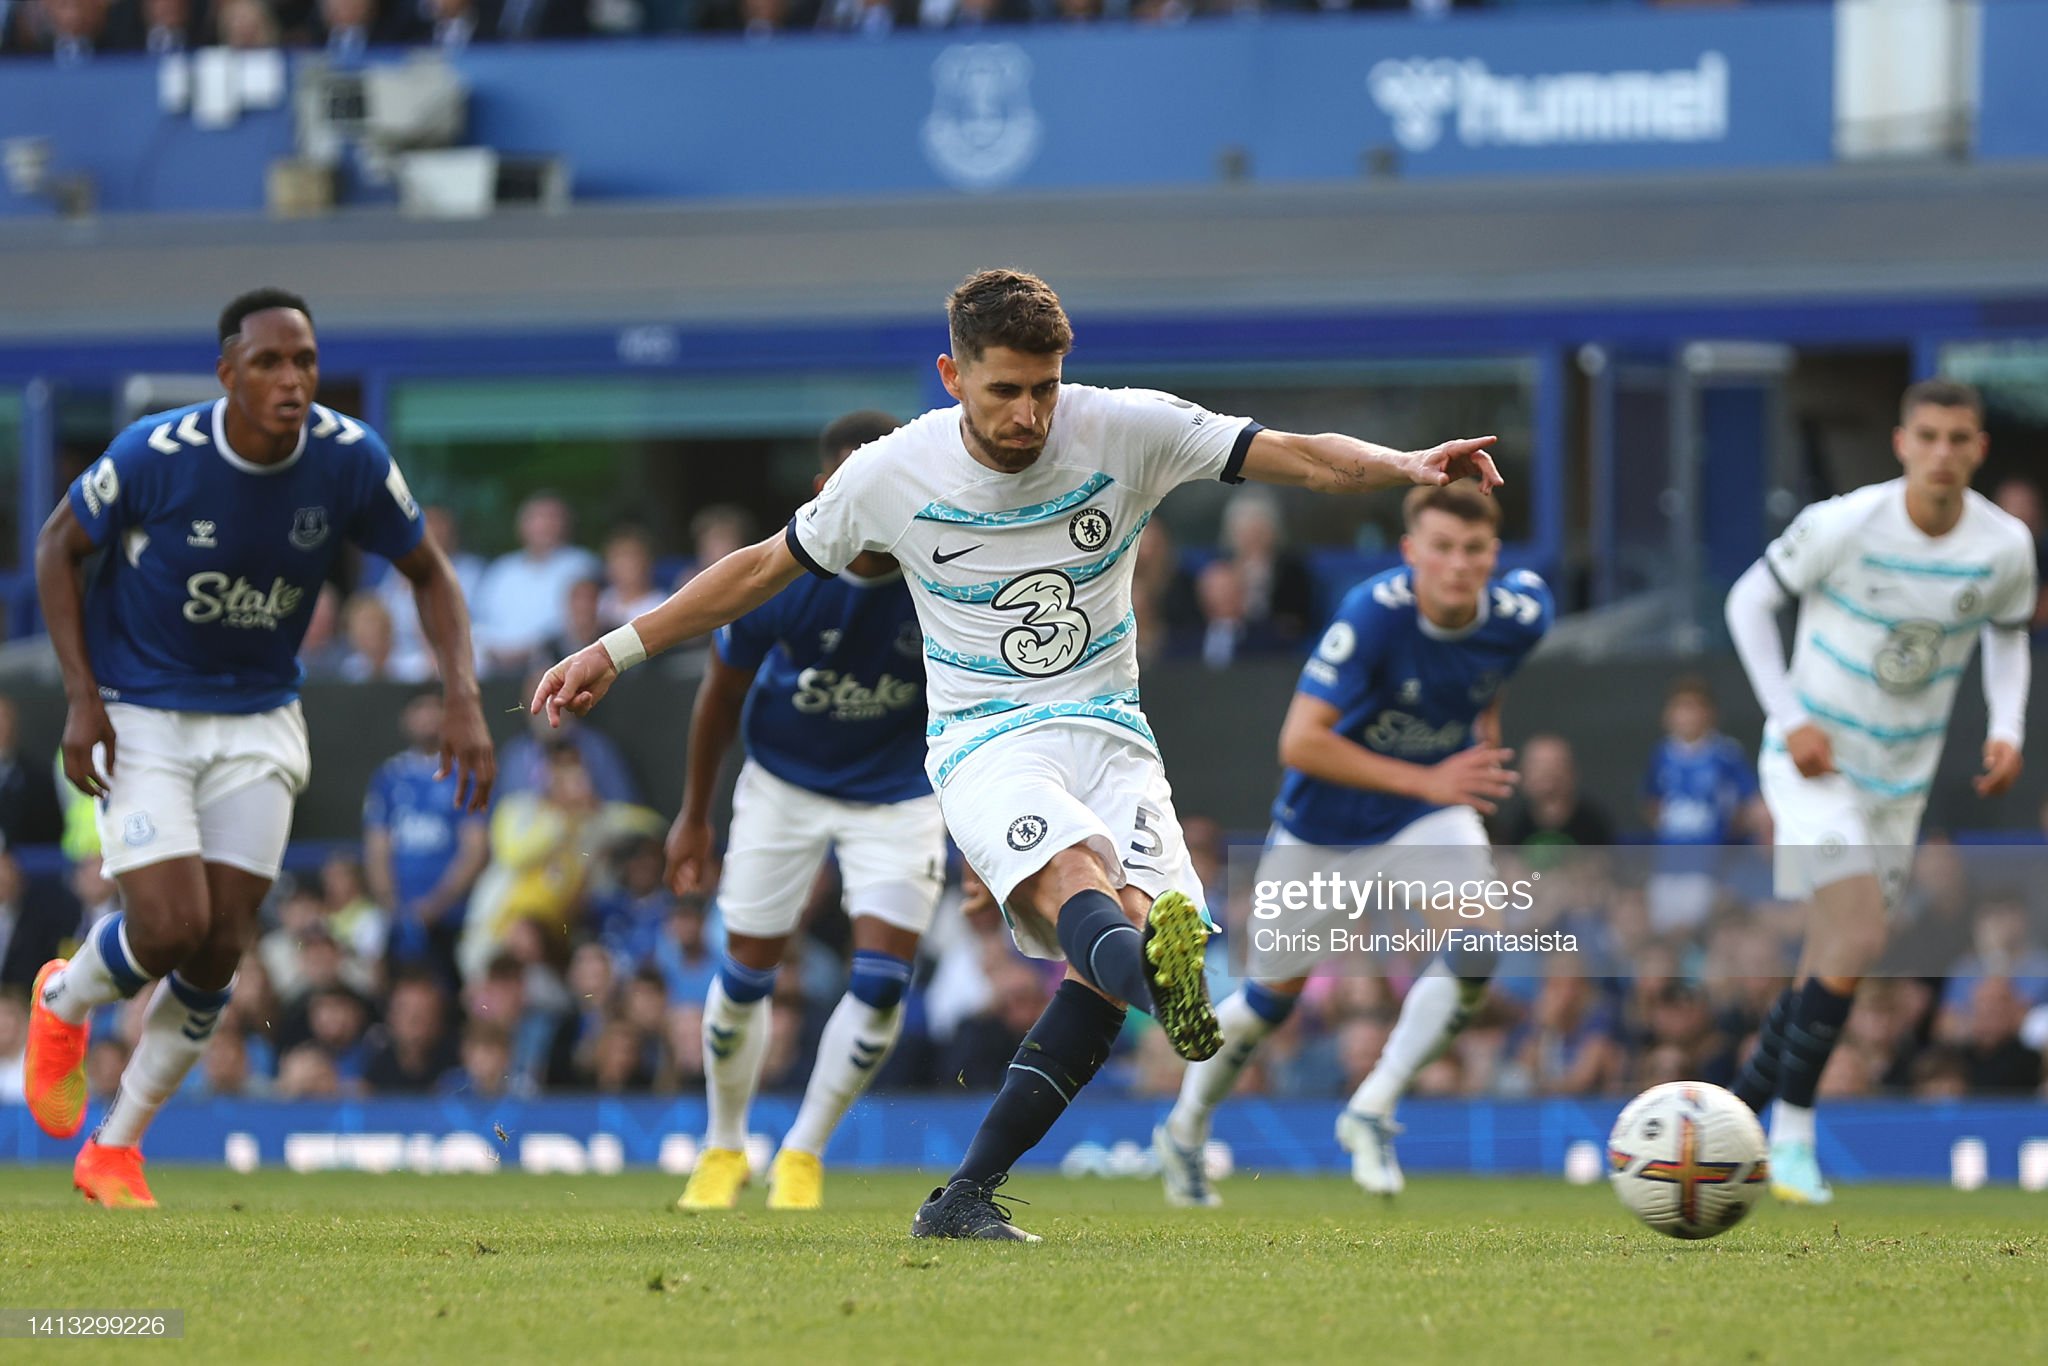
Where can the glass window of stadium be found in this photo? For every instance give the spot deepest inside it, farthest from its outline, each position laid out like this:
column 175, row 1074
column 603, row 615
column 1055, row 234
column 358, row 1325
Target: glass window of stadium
column 1403, row 403
column 655, row 451
column 2013, row 377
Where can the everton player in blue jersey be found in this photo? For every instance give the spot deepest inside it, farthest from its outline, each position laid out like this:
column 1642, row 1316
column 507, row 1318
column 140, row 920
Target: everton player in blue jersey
column 1392, row 741
column 827, row 681
column 218, row 524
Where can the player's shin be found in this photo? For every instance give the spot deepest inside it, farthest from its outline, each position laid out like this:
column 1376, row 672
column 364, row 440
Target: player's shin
column 856, row 1042
column 1063, row 1051
column 104, row 969
column 1247, row 1018
column 1816, row 1024
column 180, row 1020
column 736, row 1022
column 1438, row 1006
column 1103, row 946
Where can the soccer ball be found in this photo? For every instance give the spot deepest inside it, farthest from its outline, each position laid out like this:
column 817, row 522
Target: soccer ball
column 1688, row 1159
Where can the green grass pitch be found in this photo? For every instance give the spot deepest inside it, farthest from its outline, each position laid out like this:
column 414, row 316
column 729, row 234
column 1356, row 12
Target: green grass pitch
column 277, row 1267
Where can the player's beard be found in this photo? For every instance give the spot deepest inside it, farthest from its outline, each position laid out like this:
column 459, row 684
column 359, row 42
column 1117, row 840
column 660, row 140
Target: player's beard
column 1008, row 459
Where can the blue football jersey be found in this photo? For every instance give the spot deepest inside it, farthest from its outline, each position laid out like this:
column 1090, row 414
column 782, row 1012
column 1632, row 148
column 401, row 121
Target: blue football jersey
column 838, row 703
column 1699, row 789
column 418, row 811
column 1405, row 689
column 213, row 563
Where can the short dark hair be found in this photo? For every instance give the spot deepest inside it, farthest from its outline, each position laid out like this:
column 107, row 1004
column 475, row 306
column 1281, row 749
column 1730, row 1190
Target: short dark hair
column 847, row 434
column 1941, row 393
column 1462, row 500
column 1690, row 685
column 257, row 301
column 1007, row 308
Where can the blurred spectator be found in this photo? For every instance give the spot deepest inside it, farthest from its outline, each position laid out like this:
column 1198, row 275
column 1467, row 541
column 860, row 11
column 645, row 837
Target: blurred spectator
column 2022, row 498
column 224, row 1067
column 964, row 14
column 1549, row 810
column 245, row 25
column 33, row 927
column 422, row 855
column 1699, row 793
column 1568, row 1047
column 166, row 26
column 539, row 1041
column 306, row 1073
column 105, row 1060
column 322, row 650
column 630, row 588
column 29, row 813
column 13, row 1044
column 358, row 924
column 628, row 919
column 410, row 656
column 984, row 1043
column 372, row 646
column 580, row 623
column 1279, row 593
column 2000, row 947
column 1227, row 630
column 74, row 31
column 541, row 851
column 1153, row 579
column 318, row 968
column 715, row 533
column 486, row 1062
column 1994, row 1058
column 455, row 24
column 349, row 28
column 1937, row 928
column 763, row 18
column 523, row 763
column 873, row 18
column 522, row 599
column 684, row 954
column 338, row 1022
column 412, row 1051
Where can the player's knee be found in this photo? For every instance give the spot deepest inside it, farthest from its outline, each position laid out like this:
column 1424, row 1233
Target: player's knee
column 167, row 930
column 743, row 984
column 879, row 980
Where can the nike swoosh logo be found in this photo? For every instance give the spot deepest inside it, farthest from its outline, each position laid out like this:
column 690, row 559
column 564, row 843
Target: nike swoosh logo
column 940, row 557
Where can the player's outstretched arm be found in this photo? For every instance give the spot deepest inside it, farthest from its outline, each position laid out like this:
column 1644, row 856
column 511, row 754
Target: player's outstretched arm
column 714, row 722
column 1334, row 463
column 444, row 621
column 1311, row 745
column 727, row 590
column 61, row 548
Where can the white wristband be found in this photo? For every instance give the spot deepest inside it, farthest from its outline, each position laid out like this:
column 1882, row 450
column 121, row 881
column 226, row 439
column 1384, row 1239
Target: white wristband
column 624, row 646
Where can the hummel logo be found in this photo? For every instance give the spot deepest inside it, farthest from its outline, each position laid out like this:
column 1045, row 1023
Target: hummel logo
column 940, row 557
column 866, row 1055
column 202, row 535
column 724, row 1038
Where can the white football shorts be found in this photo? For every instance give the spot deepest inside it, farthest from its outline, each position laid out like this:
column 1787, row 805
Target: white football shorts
column 187, row 783
column 892, row 856
column 1023, row 797
column 1827, row 829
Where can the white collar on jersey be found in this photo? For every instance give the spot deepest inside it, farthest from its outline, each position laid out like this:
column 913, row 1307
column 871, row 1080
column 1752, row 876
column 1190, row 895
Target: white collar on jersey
column 1436, row 632
column 227, row 452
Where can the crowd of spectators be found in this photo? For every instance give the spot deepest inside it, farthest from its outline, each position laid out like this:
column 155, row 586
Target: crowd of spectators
column 538, row 949
column 78, row 30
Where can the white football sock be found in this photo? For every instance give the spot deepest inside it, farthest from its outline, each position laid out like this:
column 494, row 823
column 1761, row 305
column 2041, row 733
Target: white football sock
column 856, row 1042
column 87, row 981
column 1204, row 1085
column 1791, row 1123
column 740, row 1031
column 180, row 1019
column 1436, row 1009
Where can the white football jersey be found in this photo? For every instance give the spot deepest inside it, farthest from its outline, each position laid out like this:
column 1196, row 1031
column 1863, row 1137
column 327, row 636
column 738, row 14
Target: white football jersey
column 1022, row 581
column 1888, row 619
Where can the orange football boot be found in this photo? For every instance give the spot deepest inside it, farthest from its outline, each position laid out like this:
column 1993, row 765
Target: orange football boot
column 54, row 1070
column 112, row 1177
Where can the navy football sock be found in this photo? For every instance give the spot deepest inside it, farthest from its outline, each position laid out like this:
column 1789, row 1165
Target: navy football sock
column 1105, row 947
column 1809, row 1039
column 1063, row 1050
column 1758, row 1081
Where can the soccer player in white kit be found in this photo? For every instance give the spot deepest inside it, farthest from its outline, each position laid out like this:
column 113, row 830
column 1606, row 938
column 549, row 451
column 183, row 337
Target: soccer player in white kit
column 1016, row 532
column 1896, row 583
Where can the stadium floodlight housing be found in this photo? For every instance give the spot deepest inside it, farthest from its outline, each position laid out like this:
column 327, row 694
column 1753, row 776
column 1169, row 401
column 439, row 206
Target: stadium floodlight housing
column 418, row 103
